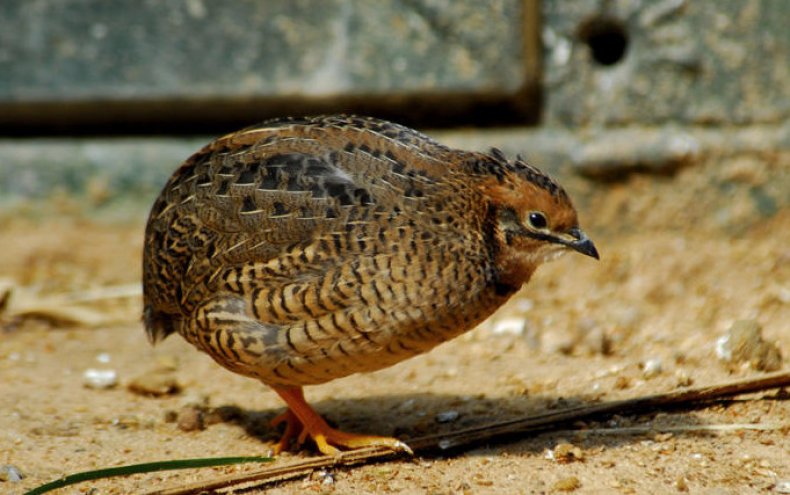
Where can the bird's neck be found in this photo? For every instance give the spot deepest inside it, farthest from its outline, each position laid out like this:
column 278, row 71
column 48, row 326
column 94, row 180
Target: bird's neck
column 514, row 269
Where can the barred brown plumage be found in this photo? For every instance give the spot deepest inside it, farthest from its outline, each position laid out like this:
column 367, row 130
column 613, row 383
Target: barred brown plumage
column 304, row 250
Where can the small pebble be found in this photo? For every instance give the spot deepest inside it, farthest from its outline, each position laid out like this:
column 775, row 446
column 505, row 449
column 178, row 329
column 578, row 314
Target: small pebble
column 190, row 419
column 524, row 304
column 622, row 382
column 593, row 338
column 126, row 421
column 723, row 348
column 743, row 344
column 103, row 358
column 683, row 379
column 566, row 452
column 783, row 294
column 596, row 342
column 156, row 383
column 447, row 416
column 559, row 342
column 782, row 486
column 100, row 379
column 568, row 484
column 511, row 326
column 325, row 477
column 662, row 437
column 651, row 368
column 445, row 444
column 10, row 473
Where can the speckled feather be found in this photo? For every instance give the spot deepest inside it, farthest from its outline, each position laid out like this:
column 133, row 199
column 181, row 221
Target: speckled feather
column 303, row 250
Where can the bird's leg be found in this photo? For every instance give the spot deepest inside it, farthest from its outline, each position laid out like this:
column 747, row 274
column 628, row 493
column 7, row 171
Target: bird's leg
column 326, row 438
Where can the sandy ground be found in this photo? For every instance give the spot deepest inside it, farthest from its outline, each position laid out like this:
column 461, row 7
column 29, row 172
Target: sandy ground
column 683, row 258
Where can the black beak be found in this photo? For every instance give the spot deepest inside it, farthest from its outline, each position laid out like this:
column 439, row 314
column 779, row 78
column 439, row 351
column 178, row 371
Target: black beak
column 582, row 243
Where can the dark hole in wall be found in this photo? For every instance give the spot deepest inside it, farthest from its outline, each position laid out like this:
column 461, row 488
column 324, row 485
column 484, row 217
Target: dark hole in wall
column 606, row 38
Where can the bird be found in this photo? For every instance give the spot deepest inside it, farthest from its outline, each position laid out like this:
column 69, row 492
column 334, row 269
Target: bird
column 306, row 249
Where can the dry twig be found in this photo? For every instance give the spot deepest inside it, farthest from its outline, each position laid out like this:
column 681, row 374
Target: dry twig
column 501, row 431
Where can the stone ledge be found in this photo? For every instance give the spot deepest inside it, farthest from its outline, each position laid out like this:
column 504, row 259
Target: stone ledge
column 108, row 169
column 67, row 62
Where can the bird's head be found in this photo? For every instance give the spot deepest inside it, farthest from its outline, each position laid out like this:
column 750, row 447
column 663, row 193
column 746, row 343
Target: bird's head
column 533, row 220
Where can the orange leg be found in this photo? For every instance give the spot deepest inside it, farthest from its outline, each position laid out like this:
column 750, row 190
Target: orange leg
column 302, row 420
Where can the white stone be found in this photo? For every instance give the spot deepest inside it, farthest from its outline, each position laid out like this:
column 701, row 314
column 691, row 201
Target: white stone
column 100, row 379
column 511, row 326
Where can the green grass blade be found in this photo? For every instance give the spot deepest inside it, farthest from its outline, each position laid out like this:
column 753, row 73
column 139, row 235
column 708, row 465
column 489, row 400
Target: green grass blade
column 146, row 467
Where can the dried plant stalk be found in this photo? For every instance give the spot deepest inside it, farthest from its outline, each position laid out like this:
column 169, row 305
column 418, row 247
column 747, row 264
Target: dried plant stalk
column 511, row 430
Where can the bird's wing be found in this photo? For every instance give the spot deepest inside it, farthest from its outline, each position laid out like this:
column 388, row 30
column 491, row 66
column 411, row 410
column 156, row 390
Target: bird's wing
column 261, row 196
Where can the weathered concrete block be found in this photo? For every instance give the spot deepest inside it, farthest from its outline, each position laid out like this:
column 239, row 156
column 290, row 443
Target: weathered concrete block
column 64, row 53
column 706, row 62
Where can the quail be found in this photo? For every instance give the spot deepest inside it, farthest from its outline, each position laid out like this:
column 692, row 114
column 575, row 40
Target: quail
column 302, row 250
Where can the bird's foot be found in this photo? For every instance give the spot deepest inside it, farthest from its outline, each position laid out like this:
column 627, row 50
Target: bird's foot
column 328, row 439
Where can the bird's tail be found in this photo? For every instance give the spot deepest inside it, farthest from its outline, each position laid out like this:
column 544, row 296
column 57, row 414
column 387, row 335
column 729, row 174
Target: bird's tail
column 158, row 325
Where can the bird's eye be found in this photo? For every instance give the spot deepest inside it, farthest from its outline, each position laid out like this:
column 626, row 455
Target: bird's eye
column 537, row 220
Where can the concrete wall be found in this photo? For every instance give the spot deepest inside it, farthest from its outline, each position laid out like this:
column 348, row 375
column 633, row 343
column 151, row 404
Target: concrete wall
column 192, row 64
column 704, row 62
column 602, row 88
